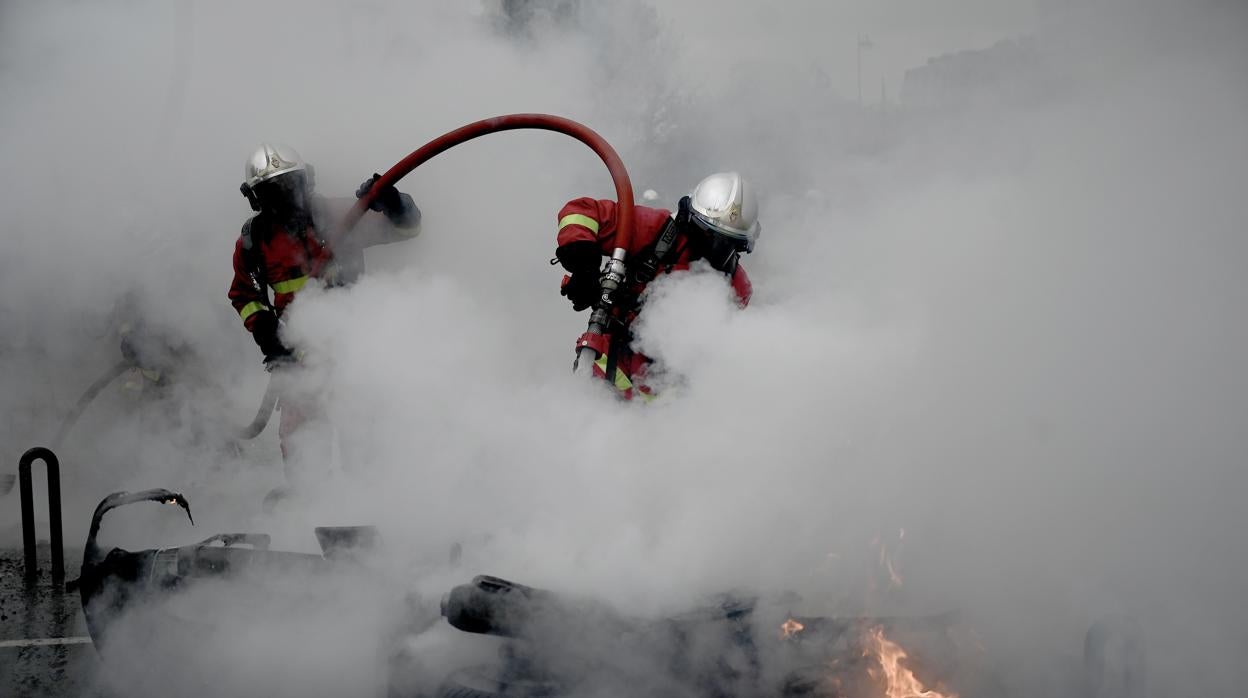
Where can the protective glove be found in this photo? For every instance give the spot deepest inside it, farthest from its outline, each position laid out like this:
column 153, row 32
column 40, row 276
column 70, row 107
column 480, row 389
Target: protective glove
column 279, row 362
column 581, row 259
column 580, row 256
column 264, row 331
column 388, row 201
column 583, row 289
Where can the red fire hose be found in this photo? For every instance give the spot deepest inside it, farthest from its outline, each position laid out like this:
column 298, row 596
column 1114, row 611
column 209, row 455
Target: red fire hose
column 592, row 342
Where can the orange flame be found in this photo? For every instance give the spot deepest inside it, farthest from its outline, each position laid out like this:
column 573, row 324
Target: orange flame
column 899, row 680
column 789, row 628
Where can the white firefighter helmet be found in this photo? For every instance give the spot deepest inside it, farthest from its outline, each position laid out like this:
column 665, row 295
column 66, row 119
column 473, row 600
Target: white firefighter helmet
column 724, row 203
column 271, row 160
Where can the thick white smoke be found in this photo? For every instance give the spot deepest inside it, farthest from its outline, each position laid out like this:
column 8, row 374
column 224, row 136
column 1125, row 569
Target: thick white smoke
column 1009, row 326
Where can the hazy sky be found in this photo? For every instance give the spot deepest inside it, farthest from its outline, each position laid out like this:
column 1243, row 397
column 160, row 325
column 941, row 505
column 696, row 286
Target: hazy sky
column 823, row 35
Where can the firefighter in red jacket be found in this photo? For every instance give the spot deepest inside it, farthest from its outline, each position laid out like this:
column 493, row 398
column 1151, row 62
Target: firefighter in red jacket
column 287, row 243
column 717, row 222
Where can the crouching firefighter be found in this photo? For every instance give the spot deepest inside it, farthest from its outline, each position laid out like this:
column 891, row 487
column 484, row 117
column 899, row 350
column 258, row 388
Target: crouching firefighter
column 289, row 243
column 716, row 223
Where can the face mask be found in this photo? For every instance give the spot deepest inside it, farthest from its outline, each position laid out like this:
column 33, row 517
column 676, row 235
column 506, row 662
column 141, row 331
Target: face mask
column 722, row 252
column 285, row 195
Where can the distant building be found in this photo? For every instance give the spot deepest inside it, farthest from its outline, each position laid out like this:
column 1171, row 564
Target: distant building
column 1010, row 72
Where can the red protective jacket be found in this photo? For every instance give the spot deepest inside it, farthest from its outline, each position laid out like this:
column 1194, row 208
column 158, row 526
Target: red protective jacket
column 267, row 255
column 595, row 220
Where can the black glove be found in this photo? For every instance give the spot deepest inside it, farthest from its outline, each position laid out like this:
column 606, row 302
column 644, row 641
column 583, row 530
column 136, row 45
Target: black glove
column 583, row 289
column 279, row 362
column 388, row 201
column 264, row 331
column 582, row 259
column 580, row 256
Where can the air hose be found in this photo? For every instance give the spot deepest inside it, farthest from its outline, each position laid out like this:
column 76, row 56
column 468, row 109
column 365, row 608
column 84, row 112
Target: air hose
column 251, row 431
column 85, row 401
column 593, row 342
column 267, row 403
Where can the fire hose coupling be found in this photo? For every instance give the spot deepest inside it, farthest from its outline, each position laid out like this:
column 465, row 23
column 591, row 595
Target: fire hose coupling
column 612, row 279
column 601, row 318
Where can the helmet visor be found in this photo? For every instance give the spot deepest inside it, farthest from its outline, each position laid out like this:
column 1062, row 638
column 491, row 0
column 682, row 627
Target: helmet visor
column 721, row 239
column 284, row 193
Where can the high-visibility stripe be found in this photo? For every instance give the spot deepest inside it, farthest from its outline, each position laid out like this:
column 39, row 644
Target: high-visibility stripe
column 251, row 309
column 290, row 285
column 578, row 219
column 622, row 383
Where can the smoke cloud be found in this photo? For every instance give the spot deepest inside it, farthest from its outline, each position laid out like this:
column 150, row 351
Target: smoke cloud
column 997, row 325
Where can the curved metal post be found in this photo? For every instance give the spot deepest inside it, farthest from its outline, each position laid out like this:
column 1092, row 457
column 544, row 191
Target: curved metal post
column 54, row 514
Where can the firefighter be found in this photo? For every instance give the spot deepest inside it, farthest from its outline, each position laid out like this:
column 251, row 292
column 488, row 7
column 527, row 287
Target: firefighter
column 153, row 356
column 716, row 223
column 166, row 383
column 289, row 243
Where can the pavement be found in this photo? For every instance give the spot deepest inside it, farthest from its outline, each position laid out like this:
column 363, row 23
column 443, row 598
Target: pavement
column 44, row 646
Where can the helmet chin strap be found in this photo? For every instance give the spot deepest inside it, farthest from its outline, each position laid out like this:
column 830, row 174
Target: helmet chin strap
column 684, row 212
column 722, row 253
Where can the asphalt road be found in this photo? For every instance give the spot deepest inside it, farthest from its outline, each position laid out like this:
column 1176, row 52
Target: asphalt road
column 44, row 647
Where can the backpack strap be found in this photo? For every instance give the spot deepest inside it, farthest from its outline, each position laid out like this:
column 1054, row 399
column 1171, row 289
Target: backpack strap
column 656, row 254
column 253, row 261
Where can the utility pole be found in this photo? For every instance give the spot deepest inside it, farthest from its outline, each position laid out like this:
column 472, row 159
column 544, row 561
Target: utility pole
column 860, row 71
column 864, row 41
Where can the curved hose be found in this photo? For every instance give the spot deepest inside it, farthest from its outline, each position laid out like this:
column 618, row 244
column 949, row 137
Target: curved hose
column 83, row 402
column 251, row 431
column 267, row 403
column 619, row 175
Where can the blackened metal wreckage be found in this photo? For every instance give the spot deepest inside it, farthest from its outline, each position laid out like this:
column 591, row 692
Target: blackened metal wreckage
column 557, row 644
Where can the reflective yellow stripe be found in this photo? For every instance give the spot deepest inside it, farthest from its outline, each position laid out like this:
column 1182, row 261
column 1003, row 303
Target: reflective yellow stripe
column 622, row 383
column 251, row 309
column 290, row 286
column 578, row 219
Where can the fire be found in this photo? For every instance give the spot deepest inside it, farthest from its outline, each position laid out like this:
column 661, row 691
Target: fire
column 899, row 680
column 789, row 628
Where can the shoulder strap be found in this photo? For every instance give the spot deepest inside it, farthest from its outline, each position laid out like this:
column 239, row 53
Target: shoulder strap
column 656, row 254
column 245, row 235
column 251, row 251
